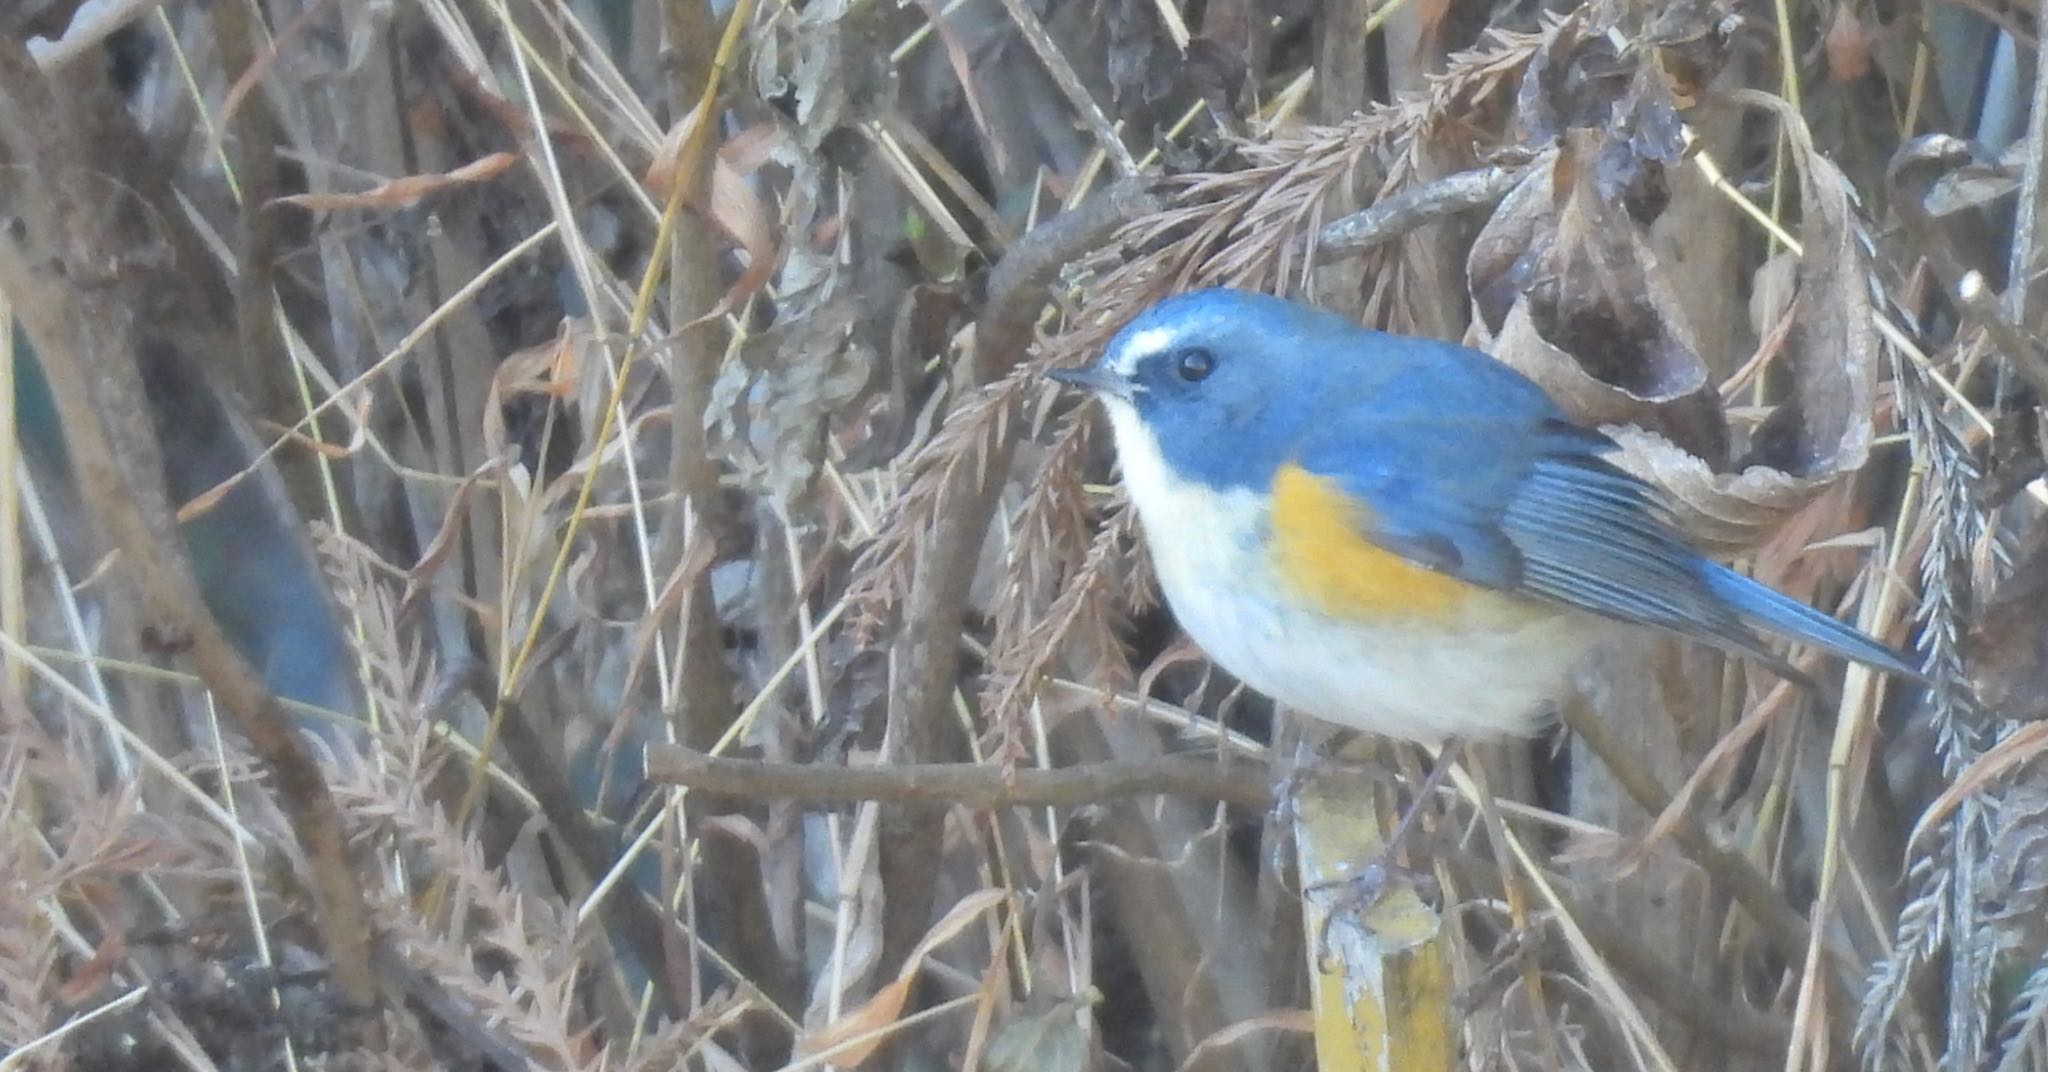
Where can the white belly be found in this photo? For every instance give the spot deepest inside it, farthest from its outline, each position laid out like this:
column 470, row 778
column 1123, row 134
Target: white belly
column 1418, row 681
column 1486, row 671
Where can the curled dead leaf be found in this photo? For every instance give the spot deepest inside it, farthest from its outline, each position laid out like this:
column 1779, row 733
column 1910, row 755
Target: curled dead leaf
column 1832, row 351
column 1565, row 285
column 549, row 369
column 530, row 422
column 855, row 1036
column 661, row 173
column 1565, row 289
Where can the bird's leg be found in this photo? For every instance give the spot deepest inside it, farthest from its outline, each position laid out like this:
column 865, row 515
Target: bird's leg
column 1431, row 782
column 1316, row 747
column 1362, row 889
column 1287, row 790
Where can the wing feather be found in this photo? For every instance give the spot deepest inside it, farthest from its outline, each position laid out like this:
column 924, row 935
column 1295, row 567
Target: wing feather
column 1594, row 537
column 1487, row 481
column 1527, row 504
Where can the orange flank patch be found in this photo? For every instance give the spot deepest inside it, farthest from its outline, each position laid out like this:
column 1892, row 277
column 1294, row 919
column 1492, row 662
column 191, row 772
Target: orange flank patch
column 1321, row 551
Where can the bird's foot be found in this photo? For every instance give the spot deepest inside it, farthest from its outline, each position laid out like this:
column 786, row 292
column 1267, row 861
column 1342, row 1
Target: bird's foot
column 1356, row 895
column 1358, row 898
column 1311, row 763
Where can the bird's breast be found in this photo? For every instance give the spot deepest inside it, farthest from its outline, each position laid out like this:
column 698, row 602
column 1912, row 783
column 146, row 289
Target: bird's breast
column 1282, row 591
column 1316, row 535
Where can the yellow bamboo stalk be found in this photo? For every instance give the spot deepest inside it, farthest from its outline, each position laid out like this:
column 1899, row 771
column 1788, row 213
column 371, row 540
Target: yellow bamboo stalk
column 1382, row 990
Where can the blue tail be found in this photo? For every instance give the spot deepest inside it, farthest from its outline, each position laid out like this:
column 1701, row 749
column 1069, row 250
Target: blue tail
column 1774, row 612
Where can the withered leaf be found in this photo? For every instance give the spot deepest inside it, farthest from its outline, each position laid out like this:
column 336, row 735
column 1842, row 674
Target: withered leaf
column 1832, row 351
column 409, row 190
column 856, row 1035
column 731, row 205
column 771, row 408
column 2008, row 649
column 1567, row 291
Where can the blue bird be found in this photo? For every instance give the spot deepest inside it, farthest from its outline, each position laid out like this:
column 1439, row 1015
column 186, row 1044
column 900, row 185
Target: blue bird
column 1395, row 534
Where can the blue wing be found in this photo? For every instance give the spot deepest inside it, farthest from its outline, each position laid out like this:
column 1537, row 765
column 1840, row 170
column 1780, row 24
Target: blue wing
column 1594, row 537
column 1432, row 488
column 1527, row 503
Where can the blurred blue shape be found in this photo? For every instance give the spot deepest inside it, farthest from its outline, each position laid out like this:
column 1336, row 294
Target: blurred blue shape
column 254, row 568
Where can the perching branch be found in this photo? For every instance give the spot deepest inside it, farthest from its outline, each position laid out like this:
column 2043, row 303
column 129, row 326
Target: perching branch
column 972, row 784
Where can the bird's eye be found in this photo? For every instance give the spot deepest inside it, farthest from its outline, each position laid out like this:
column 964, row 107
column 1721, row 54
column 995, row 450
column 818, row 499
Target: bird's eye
column 1195, row 364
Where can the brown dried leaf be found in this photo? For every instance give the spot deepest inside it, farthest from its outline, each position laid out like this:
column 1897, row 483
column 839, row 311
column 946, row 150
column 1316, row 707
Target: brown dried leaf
column 855, row 1036
column 732, row 206
column 1849, row 45
column 661, row 172
column 878, row 1012
column 1543, row 107
column 1577, row 83
column 1830, row 345
column 409, row 190
column 549, row 369
column 2008, row 648
column 1567, row 291
column 1832, row 351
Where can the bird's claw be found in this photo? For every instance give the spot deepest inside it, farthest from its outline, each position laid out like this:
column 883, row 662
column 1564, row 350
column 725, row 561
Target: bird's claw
column 1355, row 896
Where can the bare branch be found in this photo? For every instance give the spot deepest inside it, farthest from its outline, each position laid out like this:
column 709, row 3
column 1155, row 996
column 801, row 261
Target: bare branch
column 972, row 784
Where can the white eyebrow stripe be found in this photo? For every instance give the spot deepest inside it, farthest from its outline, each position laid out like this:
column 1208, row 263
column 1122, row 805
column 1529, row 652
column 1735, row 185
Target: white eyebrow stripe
column 1143, row 344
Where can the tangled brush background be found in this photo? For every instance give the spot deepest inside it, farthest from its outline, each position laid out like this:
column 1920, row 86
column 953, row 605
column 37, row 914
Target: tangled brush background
column 535, row 535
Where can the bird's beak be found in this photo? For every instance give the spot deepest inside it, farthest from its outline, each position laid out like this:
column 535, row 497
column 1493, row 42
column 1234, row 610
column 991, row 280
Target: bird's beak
column 1094, row 379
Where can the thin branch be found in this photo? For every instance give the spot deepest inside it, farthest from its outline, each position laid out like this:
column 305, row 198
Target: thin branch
column 975, row 785
column 1017, row 284
column 83, row 288
column 1419, row 206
